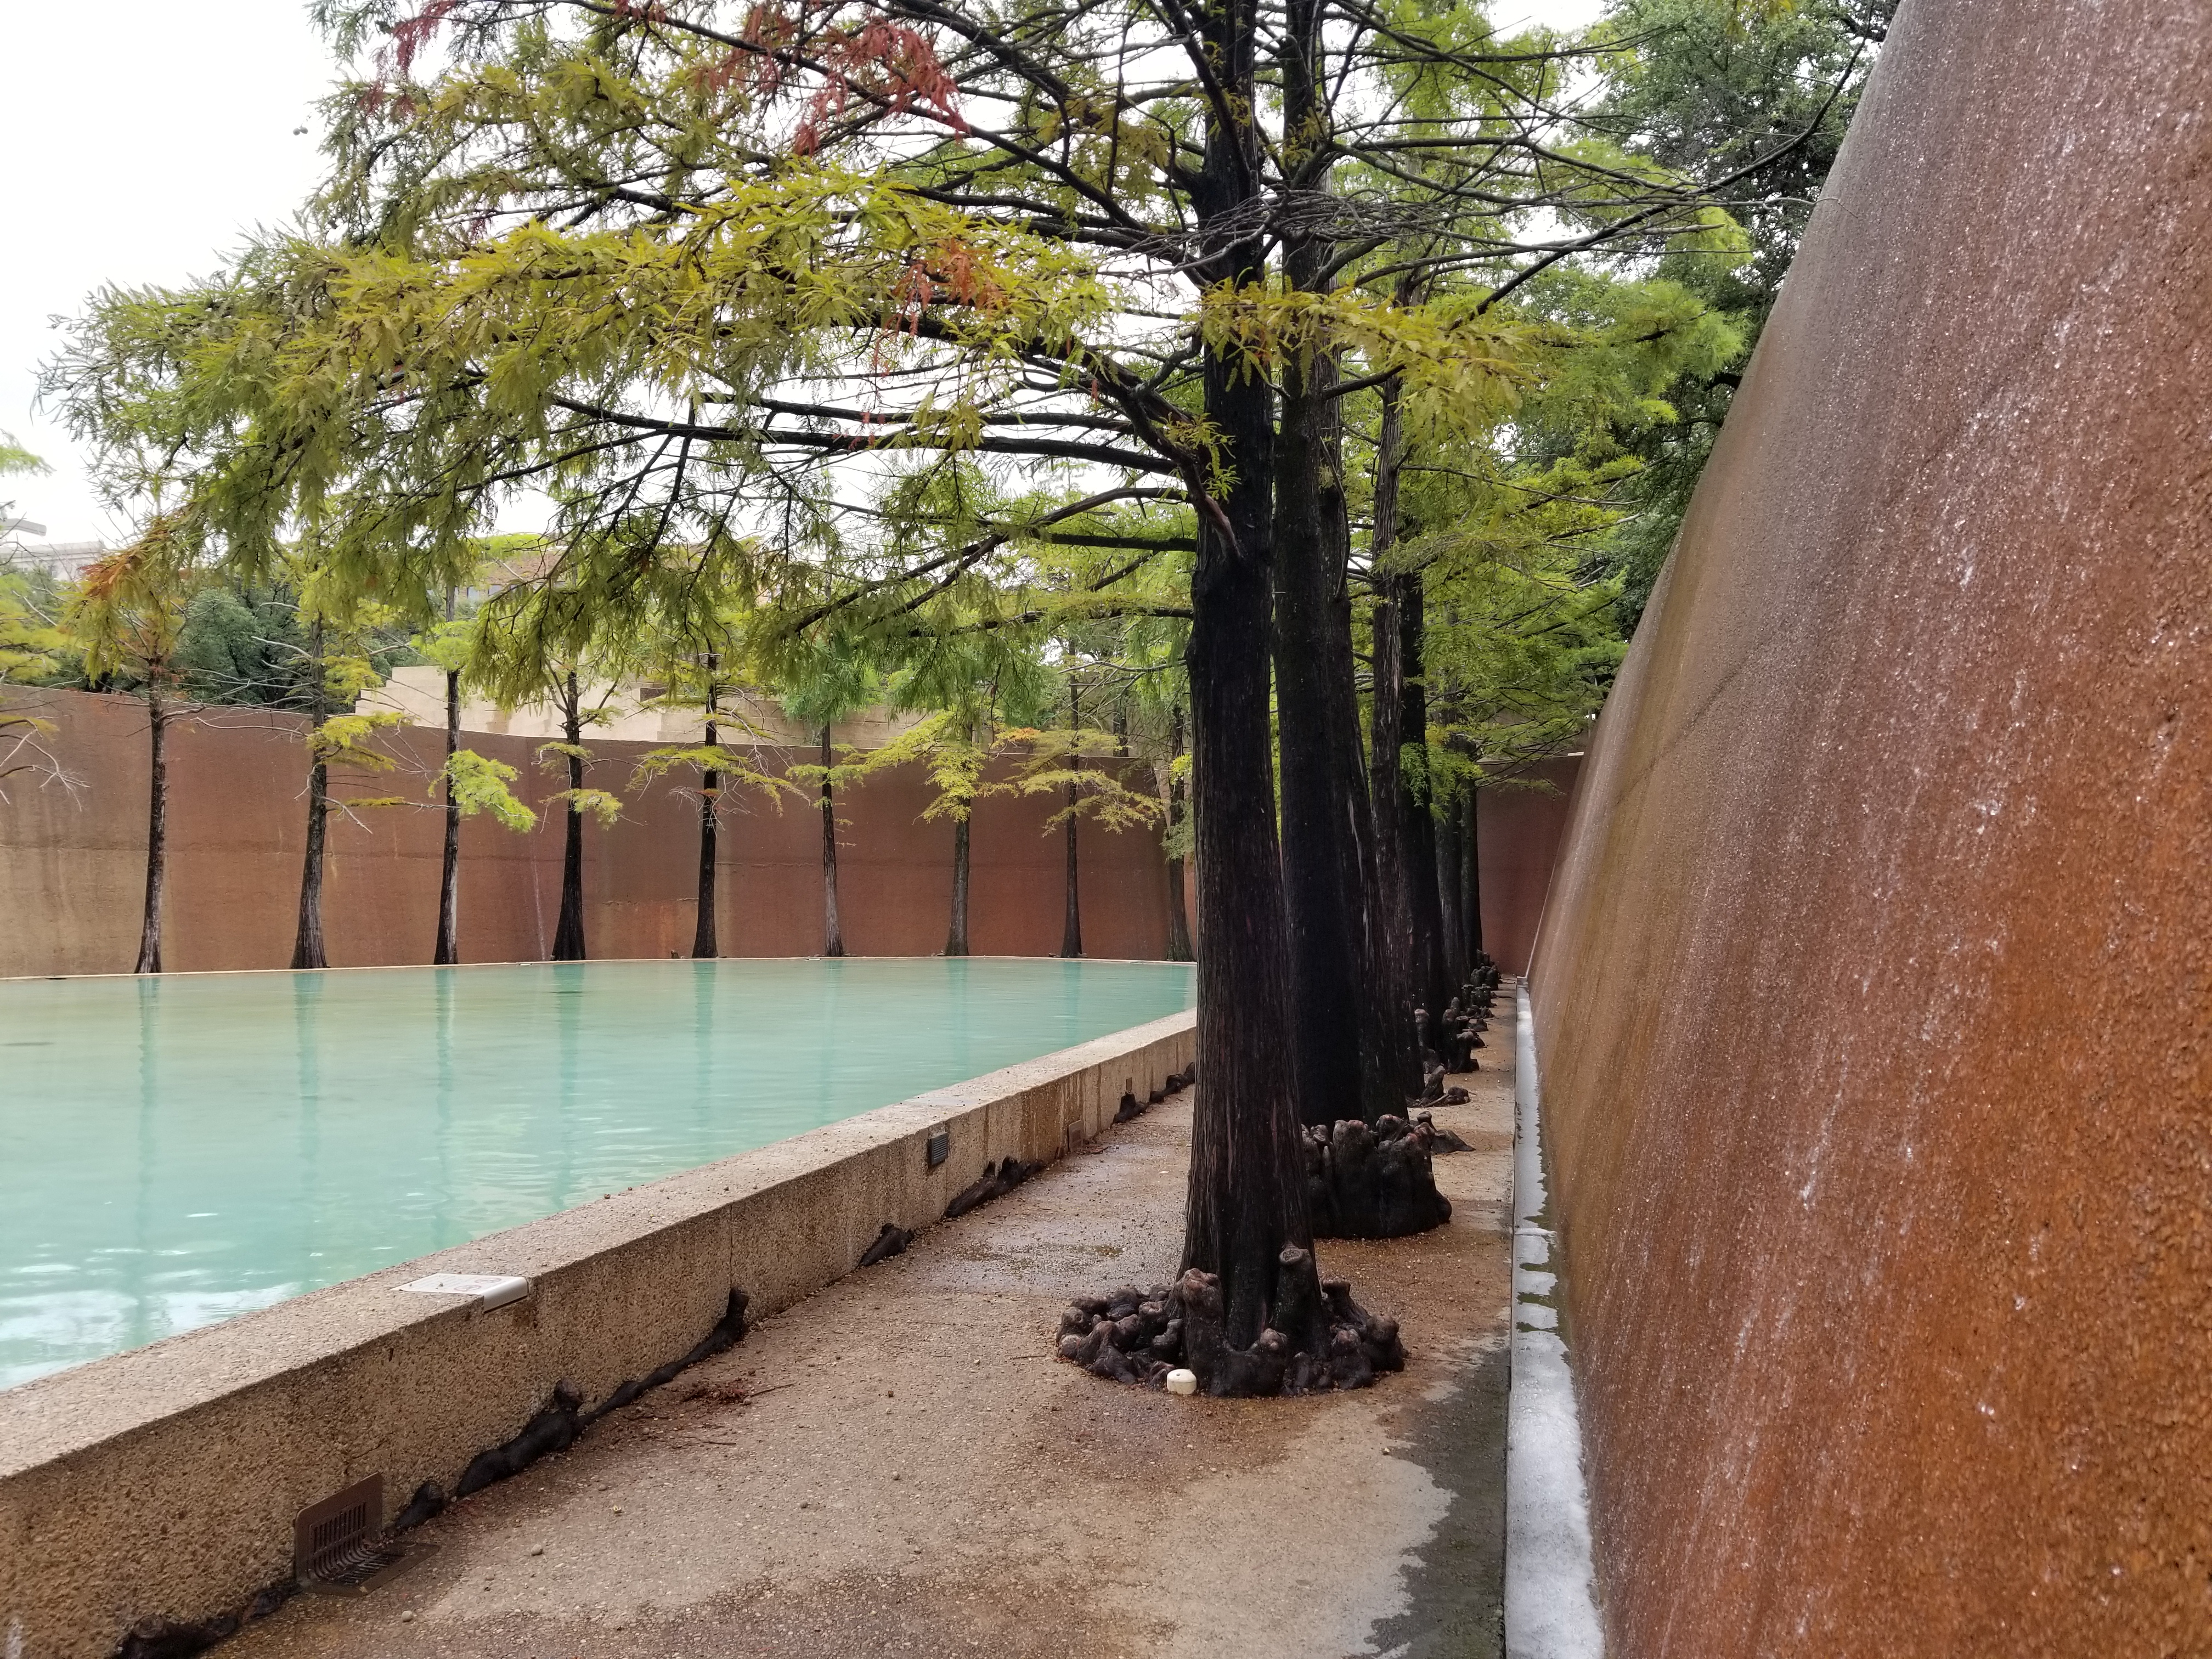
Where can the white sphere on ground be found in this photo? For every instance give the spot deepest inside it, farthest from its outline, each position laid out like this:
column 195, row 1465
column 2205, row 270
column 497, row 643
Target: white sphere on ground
column 1182, row 1382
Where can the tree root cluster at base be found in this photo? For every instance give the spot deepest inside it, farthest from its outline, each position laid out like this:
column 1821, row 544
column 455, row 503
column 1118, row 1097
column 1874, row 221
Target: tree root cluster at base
column 1373, row 1180
column 1318, row 1338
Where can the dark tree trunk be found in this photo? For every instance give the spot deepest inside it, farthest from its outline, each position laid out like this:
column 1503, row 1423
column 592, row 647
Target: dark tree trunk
column 1389, row 904
column 955, row 937
column 703, row 940
column 1451, row 859
column 1471, row 885
column 1071, row 929
column 568, row 933
column 448, row 950
column 308, row 942
column 1320, row 853
column 1071, row 926
column 1348, row 985
column 1178, row 914
column 1390, row 1059
column 1424, row 908
column 1246, row 1201
column 833, row 934
column 157, row 832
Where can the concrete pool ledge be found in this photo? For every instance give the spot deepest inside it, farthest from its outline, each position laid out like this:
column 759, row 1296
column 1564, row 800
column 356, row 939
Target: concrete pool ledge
column 163, row 1482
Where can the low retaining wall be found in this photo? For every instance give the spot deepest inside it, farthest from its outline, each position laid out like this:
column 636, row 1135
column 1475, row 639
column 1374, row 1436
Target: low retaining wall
column 164, row 1482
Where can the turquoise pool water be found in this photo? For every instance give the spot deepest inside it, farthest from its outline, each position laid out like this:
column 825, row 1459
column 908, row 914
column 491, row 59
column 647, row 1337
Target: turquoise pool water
column 175, row 1151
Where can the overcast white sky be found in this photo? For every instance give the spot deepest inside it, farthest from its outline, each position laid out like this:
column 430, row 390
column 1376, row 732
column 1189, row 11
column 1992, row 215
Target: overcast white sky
column 143, row 148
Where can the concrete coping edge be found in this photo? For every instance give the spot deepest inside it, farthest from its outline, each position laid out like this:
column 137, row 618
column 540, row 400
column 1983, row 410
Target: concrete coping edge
column 1550, row 1585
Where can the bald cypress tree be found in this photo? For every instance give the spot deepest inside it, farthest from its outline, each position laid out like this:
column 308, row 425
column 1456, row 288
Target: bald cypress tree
column 1088, row 243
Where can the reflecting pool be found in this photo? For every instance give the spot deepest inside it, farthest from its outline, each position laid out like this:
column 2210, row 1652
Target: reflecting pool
column 177, row 1150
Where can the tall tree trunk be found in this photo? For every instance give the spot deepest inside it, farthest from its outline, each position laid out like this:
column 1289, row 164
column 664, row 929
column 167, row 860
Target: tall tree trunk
column 955, row 938
column 703, row 940
column 1246, row 1201
column 1070, row 930
column 1419, row 834
column 1357, row 1057
column 1321, row 855
column 1390, row 906
column 568, row 933
column 1312, row 544
column 1471, row 883
column 1071, row 926
column 157, row 831
column 448, row 951
column 833, row 934
column 1178, row 912
column 308, row 942
column 1450, row 860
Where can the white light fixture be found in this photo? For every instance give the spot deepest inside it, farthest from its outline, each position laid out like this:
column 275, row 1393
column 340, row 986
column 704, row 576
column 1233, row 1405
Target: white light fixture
column 489, row 1290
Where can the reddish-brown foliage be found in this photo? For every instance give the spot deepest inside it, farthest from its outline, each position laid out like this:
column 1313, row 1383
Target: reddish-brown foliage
column 410, row 34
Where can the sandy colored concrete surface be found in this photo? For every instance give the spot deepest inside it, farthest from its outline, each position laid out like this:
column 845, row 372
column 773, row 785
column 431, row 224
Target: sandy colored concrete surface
column 897, row 1466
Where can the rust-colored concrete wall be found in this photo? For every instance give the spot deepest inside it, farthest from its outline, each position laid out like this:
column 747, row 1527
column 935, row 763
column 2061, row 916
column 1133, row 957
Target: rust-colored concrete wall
column 1517, row 835
column 1875, row 994
column 72, row 865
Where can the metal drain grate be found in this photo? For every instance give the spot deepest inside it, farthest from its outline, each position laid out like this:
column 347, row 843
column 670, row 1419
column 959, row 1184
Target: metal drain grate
column 338, row 1546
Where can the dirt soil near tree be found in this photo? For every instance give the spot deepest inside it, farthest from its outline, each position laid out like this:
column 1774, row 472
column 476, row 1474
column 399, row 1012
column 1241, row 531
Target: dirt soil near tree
column 899, row 1467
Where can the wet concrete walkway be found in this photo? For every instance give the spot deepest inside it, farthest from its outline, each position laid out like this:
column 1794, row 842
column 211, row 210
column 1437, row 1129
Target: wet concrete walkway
column 897, row 1466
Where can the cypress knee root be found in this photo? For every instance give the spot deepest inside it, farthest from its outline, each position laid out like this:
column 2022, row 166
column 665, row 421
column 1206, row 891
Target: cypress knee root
column 1316, row 1338
column 998, row 1179
column 890, row 1242
column 164, row 1638
column 427, row 1504
column 1441, row 1140
column 1374, row 1181
column 552, row 1430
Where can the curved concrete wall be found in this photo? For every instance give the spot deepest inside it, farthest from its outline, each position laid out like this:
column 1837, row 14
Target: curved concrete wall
column 1874, row 992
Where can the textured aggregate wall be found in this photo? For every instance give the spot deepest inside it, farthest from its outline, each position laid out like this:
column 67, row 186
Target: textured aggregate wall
column 72, row 865
column 1874, row 992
